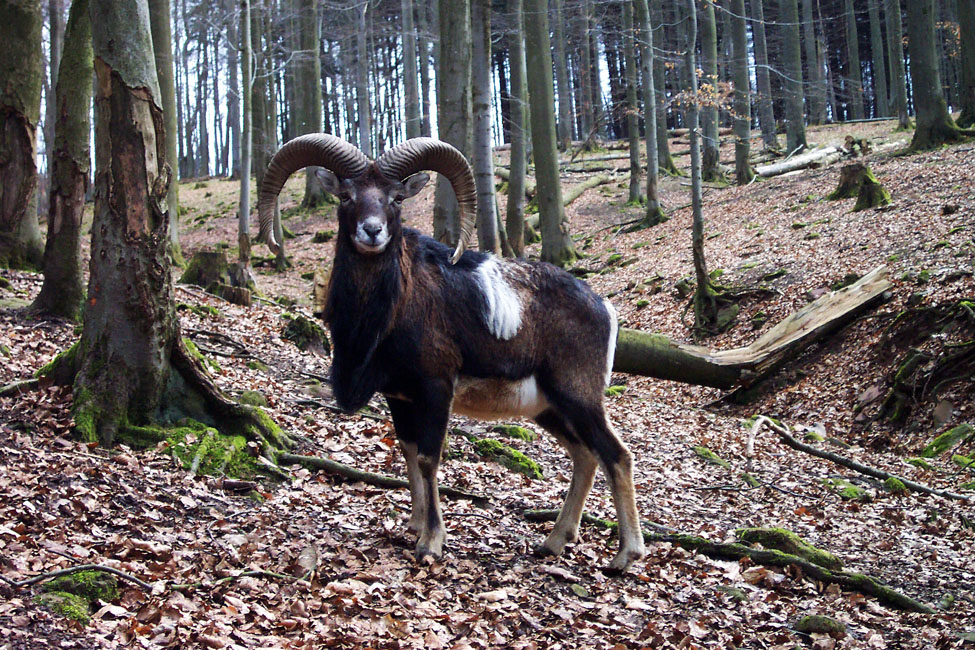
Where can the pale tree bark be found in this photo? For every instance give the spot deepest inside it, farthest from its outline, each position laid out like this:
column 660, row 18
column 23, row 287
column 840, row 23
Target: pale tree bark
column 878, row 56
column 62, row 293
column 654, row 212
column 632, row 121
column 454, row 118
column 557, row 246
column 966, row 22
column 483, row 162
column 854, row 74
column 709, row 90
column 362, row 81
column 816, row 96
column 742, row 97
column 795, row 127
column 162, row 45
column 934, row 125
column 515, row 211
column 585, row 71
column 895, row 51
column 766, row 116
column 309, row 84
column 561, row 77
column 412, row 95
column 55, row 10
column 665, row 162
column 21, row 68
column 424, row 44
column 233, row 90
column 246, row 134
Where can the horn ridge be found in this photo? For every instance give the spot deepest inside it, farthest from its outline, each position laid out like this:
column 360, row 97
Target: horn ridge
column 419, row 154
column 313, row 149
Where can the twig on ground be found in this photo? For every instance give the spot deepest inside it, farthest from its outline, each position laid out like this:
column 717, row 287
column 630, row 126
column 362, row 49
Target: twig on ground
column 308, row 401
column 50, row 575
column 21, row 386
column 370, row 478
column 237, row 576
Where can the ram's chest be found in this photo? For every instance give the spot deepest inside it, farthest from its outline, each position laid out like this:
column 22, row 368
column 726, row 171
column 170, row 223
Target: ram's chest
column 495, row 399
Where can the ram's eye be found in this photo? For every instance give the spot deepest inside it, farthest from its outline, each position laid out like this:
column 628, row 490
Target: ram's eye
column 398, row 198
column 345, row 197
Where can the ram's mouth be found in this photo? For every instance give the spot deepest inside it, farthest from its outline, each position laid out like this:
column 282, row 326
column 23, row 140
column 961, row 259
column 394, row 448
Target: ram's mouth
column 370, row 249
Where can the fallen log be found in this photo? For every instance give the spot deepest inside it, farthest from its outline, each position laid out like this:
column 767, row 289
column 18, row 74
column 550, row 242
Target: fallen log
column 655, row 355
column 572, row 194
column 851, row 581
column 505, row 174
column 816, row 157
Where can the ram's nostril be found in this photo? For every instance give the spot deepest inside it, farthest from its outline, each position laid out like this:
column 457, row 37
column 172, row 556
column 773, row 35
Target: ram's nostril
column 372, row 229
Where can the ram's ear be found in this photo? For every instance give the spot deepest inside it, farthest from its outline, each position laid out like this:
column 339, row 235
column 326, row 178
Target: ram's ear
column 329, row 180
column 415, row 183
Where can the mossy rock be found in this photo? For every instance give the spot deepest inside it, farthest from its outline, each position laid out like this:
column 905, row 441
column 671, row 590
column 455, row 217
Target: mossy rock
column 787, row 541
column 308, row 335
column 67, row 605
column 813, row 436
column 515, row 432
column 963, row 461
column 734, row 593
column 921, row 463
column 749, row 480
column 895, row 486
column 323, row 236
column 507, row 457
column 4, row 283
column 90, row 585
column 253, row 398
column 818, row 624
column 207, row 268
column 947, row 440
column 847, row 490
column 711, row 457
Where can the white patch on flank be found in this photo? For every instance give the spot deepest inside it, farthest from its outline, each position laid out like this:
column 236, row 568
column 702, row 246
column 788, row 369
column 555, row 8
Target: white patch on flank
column 496, row 399
column 613, row 330
column 503, row 316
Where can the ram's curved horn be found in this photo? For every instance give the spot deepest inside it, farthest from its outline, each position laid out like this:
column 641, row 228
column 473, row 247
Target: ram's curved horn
column 318, row 149
column 419, row 154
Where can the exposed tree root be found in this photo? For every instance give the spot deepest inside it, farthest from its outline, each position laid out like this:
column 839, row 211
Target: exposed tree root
column 852, row 581
column 50, row 575
column 379, row 480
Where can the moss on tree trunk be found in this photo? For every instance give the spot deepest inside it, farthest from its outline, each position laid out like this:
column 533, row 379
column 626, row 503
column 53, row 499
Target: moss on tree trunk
column 858, row 180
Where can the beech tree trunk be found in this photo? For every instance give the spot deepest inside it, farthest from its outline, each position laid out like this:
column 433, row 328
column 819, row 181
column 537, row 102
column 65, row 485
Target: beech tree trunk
column 412, row 93
column 665, row 161
column 308, row 83
column 515, row 211
column 878, row 56
column 562, row 78
column 895, row 50
column 742, row 97
column 454, row 112
column 424, row 44
column 816, row 97
column 934, row 125
column 233, row 93
column 795, row 126
column 632, row 121
column 162, row 46
column 710, row 170
column 766, row 116
column 966, row 22
column 55, row 10
column 246, row 134
column 362, row 80
column 21, row 70
column 483, row 161
column 62, row 293
column 557, row 246
column 585, row 72
column 654, row 211
column 854, row 74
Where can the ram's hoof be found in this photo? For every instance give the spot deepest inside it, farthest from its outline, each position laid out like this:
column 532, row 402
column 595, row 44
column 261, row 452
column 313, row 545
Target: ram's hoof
column 540, row 550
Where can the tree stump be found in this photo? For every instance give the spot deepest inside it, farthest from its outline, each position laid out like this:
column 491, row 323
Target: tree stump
column 206, row 268
column 857, row 180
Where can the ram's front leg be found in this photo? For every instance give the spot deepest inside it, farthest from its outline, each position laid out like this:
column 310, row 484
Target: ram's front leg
column 421, row 425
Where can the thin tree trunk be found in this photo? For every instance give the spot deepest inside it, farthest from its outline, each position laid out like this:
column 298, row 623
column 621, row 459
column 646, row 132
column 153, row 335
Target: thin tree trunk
column 654, row 212
column 742, row 97
column 562, row 78
column 62, row 293
column 362, row 81
column 557, row 246
column 795, row 127
column 632, row 120
column 898, row 76
column 709, row 46
column 816, row 96
column 246, row 135
column 233, row 92
column 766, row 116
column 665, row 162
column 413, row 125
column 308, row 75
column 56, row 39
column 21, row 69
column 966, row 22
column 878, row 56
column 453, row 107
column 703, row 291
column 515, row 219
column 854, row 74
column 162, row 46
column 424, row 44
column 487, row 223
column 585, row 71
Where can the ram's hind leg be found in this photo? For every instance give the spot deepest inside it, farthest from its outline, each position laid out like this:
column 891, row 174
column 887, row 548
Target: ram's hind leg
column 583, row 471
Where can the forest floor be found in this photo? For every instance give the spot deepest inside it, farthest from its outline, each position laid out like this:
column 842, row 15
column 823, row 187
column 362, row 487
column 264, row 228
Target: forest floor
column 140, row 511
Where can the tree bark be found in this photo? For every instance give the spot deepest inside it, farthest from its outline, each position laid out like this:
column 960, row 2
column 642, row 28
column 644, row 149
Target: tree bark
column 895, row 48
column 483, row 161
column 246, row 135
column 742, row 94
column 162, row 45
column 557, row 246
column 816, row 96
column 632, row 121
column 966, row 23
column 62, row 293
column 21, row 70
column 454, row 111
column 665, row 161
column 795, row 126
column 878, row 56
column 233, row 93
column 56, row 39
column 585, row 71
column 412, row 93
column 309, row 83
column 562, row 78
column 424, row 45
column 362, row 81
column 854, row 74
column 710, row 169
column 654, row 212
column 766, row 116
column 934, row 125
column 515, row 219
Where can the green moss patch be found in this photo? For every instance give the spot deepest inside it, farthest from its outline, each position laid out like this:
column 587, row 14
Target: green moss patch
column 711, row 457
column 90, row 585
column 253, row 398
column 203, row 311
column 205, row 361
column 895, row 485
column 947, row 440
column 65, row 363
column 818, row 624
column 847, row 490
column 963, row 461
column 920, row 462
column 514, row 431
column 508, row 457
column 780, row 539
column 66, row 605
column 308, row 335
column 615, row 391
column 323, row 236
column 212, row 452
